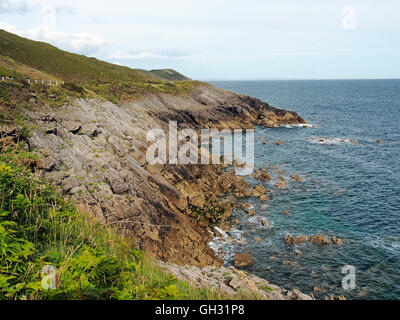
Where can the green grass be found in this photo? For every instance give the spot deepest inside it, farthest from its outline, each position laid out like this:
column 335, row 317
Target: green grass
column 72, row 67
column 168, row 74
column 64, row 65
column 22, row 58
column 38, row 228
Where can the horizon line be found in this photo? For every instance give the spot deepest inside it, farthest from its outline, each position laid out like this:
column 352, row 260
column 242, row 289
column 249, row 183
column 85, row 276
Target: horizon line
column 291, row 79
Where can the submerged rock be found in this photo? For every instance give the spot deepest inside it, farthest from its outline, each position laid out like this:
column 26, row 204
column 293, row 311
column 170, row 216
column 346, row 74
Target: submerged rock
column 289, row 263
column 296, row 177
column 317, row 290
column 243, row 260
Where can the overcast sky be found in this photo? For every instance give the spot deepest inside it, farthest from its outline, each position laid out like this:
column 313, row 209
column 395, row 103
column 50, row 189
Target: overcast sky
column 215, row 39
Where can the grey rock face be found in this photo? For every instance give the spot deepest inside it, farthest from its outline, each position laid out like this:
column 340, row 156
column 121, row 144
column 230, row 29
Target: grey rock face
column 96, row 151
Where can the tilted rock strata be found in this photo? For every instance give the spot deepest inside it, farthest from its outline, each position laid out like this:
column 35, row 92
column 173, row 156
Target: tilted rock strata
column 96, row 152
column 233, row 282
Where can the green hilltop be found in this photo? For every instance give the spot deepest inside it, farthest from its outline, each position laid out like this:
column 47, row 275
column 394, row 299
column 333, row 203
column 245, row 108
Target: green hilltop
column 84, row 77
column 168, row 74
column 73, row 67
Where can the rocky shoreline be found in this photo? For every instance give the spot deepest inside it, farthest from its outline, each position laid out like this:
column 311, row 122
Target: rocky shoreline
column 232, row 282
column 95, row 151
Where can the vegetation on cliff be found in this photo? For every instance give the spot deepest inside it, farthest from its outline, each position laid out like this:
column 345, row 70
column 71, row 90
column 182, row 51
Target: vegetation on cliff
column 167, row 211
column 38, row 228
column 22, row 58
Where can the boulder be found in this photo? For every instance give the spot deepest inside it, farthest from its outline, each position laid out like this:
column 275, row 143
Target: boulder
column 264, row 222
column 289, row 263
column 296, row 294
column 296, row 177
column 69, row 183
column 217, row 233
column 198, row 200
column 50, row 128
column 89, row 129
column 289, row 240
column 225, row 226
column 72, row 126
column 336, row 240
column 281, row 183
column 243, row 260
column 258, row 191
column 257, row 239
column 317, row 290
column 321, row 240
column 301, row 239
column 263, row 176
column 119, row 187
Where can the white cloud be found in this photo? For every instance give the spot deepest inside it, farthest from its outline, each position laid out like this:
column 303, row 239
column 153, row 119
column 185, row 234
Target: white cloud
column 83, row 43
column 21, row 6
column 8, row 27
column 151, row 54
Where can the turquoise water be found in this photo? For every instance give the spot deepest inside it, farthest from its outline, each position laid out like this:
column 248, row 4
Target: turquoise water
column 351, row 190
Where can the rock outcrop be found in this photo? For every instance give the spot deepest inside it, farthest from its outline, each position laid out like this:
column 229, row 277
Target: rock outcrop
column 95, row 151
column 233, row 282
column 317, row 239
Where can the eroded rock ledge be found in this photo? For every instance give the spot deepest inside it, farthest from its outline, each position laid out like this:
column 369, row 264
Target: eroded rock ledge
column 95, row 151
column 233, row 283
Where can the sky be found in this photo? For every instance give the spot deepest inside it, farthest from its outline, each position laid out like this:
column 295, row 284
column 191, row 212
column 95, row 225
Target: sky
column 222, row 40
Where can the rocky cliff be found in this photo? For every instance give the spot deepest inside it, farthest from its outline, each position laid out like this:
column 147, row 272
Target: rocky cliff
column 94, row 150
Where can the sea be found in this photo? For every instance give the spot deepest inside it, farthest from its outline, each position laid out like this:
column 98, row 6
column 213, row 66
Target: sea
column 349, row 158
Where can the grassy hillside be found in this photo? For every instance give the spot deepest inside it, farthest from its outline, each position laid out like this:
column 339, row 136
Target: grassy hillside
column 73, row 67
column 64, row 65
column 11, row 68
column 22, row 58
column 168, row 74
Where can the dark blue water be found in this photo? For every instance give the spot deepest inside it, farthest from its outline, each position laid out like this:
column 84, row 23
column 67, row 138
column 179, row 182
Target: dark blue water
column 350, row 189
